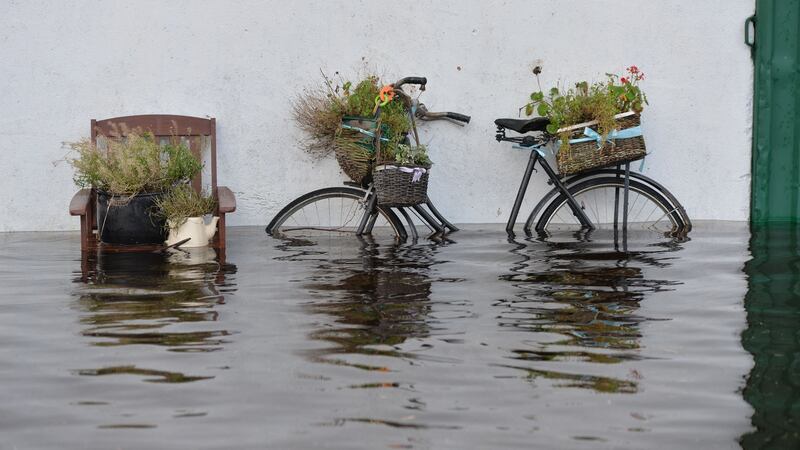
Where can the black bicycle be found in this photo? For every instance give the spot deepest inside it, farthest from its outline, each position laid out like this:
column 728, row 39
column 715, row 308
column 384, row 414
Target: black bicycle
column 606, row 198
column 353, row 208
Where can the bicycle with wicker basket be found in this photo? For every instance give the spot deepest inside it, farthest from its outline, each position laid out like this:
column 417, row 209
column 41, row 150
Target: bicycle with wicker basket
column 382, row 191
column 595, row 188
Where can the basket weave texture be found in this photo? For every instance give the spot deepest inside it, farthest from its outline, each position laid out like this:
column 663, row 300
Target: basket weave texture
column 355, row 151
column 395, row 188
column 585, row 156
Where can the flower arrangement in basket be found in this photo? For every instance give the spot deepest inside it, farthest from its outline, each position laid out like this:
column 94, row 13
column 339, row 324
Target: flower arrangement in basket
column 341, row 117
column 597, row 124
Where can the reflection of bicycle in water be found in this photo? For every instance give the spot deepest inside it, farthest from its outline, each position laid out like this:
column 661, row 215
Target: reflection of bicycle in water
column 353, row 209
column 377, row 296
column 590, row 296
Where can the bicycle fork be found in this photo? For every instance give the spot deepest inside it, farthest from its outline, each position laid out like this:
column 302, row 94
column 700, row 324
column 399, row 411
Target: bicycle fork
column 370, row 213
column 434, row 219
column 523, row 187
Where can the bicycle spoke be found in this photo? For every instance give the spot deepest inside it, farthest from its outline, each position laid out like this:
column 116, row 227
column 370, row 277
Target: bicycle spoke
column 335, row 211
column 643, row 206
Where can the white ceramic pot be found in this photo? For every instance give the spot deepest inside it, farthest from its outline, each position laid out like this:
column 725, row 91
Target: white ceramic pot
column 195, row 228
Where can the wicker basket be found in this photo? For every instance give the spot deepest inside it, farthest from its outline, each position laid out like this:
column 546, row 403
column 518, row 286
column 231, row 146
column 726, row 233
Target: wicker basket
column 355, row 161
column 583, row 156
column 395, row 185
column 354, row 147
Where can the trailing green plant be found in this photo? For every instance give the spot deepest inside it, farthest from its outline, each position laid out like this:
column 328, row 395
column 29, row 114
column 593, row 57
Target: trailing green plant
column 183, row 202
column 133, row 164
column 599, row 101
column 412, row 155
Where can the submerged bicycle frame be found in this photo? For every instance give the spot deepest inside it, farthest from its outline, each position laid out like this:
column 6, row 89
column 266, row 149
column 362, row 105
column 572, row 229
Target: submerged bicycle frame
column 535, row 144
column 366, row 194
column 434, row 219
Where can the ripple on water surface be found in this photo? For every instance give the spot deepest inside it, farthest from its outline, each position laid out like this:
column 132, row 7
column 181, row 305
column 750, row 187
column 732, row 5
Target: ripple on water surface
column 474, row 341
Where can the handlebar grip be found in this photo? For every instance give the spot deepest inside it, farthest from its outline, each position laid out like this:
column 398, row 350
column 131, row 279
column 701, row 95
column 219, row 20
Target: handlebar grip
column 422, row 81
column 458, row 117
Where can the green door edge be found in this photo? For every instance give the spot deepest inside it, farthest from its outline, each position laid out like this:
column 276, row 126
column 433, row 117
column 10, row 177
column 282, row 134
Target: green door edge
column 775, row 193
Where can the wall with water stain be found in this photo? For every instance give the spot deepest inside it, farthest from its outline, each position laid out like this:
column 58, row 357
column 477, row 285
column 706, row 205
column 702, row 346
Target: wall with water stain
column 64, row 63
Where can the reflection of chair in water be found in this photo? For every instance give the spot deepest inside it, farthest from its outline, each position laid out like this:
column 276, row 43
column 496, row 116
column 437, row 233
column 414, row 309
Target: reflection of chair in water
column 135, row 298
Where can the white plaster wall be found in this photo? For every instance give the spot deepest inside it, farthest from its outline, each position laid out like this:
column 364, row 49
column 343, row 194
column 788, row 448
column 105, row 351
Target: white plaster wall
column 63, row 63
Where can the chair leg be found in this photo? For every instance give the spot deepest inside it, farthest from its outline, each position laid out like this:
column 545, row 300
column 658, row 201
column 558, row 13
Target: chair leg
column 86, row 231
column 221, row 232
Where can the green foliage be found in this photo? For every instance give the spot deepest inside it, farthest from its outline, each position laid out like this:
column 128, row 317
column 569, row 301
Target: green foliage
column 361, row 102
column 319, row 112
column 183, row 202
column 412, row 155
column 133, row 164
column 179, row 163
column 599, row 101
column 626, row 90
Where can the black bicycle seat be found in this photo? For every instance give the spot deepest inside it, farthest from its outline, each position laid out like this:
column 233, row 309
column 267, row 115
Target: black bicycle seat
column 523, row 125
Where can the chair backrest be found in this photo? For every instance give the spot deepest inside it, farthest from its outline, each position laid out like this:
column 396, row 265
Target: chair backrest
column 192, row 130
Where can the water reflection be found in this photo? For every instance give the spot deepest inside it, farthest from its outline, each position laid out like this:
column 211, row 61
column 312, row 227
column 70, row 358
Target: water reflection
column 773, row 337
column 158, row 299
column 378, row 295
column 581, row 297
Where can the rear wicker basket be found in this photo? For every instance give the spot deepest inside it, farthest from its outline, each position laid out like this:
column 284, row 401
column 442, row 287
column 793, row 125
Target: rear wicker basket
column 396, row 187
column 583, row 156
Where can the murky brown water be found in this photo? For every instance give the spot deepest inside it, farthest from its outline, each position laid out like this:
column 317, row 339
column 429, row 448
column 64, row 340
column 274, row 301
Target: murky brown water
column 474, row 342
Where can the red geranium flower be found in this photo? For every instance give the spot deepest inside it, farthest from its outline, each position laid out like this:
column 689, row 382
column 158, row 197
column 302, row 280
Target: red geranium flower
column 633, row 69
column 624, row 80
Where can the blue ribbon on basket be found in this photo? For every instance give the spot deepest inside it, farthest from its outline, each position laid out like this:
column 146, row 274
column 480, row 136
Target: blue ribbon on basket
column 592, row 135
column 363, row 131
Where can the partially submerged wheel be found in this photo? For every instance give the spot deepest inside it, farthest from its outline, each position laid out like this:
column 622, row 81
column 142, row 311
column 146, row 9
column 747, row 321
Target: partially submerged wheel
column 648, row 209
column 332, row 212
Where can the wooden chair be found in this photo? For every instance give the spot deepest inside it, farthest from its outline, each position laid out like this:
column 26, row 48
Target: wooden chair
column 194, row 129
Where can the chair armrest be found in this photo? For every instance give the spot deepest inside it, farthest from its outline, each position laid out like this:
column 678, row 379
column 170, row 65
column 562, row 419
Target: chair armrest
column 226, row 200
column 79, row 206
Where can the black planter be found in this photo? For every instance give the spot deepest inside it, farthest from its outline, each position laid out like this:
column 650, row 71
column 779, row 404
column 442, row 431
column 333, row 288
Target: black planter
column 128, row 220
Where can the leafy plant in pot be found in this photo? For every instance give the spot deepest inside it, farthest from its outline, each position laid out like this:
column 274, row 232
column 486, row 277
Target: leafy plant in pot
column 129, row 174
column 184, row 210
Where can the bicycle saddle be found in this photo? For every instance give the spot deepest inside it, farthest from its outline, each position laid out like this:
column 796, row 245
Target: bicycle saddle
column 523, row 125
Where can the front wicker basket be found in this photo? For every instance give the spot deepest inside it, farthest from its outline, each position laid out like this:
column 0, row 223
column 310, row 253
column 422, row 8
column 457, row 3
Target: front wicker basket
column 584, row 156
column 395, row 187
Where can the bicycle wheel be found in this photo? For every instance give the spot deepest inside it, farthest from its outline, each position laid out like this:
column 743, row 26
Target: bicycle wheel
column 332, row 211
column 648, row 209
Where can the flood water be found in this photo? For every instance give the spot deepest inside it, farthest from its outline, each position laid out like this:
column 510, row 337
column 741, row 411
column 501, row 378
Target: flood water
column 476, row 341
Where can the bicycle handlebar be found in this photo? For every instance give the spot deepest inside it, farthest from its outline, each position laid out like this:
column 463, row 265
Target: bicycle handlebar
column 421, row 81
column 458, row 117
column 424, row 114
